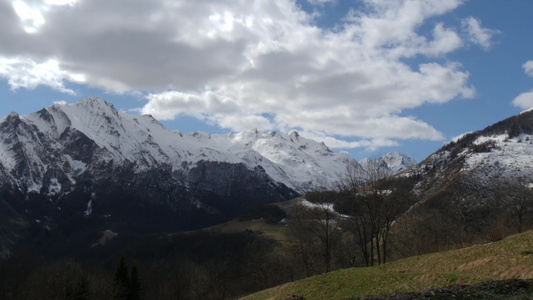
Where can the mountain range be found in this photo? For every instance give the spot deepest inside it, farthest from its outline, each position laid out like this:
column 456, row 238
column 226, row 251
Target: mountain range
column 87, row 164
column 51, row 150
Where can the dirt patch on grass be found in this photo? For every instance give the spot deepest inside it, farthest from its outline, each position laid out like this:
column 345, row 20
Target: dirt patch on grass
column 477, row 264
column 430, row 279
column 520, row 272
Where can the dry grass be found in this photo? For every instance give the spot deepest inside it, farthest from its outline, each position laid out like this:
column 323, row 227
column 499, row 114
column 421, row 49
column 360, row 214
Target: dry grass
column 509, row 258
column 277, row 232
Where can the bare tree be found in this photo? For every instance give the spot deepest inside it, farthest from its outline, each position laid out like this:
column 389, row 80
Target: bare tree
column 516, row 200
column 303, row 243
column 316, row 228
column 377, row 200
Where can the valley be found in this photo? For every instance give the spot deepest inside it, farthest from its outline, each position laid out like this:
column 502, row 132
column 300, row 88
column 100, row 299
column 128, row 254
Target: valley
column 203, row 216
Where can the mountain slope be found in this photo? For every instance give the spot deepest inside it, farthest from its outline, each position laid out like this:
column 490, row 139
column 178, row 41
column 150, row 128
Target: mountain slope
column 476, row 188
column 499, row 153
column 510, row 258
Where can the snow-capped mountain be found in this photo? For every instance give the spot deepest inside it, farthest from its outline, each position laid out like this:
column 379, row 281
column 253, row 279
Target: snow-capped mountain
column 389, row 164
column 481, row 160
column 87, row 165
column 52, row 148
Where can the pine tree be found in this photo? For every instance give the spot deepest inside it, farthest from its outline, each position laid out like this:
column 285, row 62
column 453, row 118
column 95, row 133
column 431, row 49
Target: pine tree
column 121, row 280
column 81, row 290
column 135, row 286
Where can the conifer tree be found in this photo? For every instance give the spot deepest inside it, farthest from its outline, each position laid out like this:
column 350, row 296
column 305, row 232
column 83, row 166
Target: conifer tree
column 135, row 286
column 121, row 280
column 81, row 290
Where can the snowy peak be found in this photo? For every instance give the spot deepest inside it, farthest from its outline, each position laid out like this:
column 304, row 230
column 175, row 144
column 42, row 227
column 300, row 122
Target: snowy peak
column 398, row 162
column 301, row 163
column 390, row 163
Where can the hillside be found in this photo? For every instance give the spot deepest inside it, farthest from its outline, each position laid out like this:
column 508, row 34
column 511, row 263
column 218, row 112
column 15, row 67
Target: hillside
column 506, row 259
column 498, row 153
column 474, row 189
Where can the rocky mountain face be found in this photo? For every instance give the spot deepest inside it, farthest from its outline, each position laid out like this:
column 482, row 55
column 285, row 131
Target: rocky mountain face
column 87, row 164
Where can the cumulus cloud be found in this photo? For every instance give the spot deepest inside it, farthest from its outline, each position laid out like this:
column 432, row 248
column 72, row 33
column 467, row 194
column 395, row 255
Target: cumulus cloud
column 528, row 68
column 477, row 34
column 524, row 100
column 242, row 64
column 26, row 73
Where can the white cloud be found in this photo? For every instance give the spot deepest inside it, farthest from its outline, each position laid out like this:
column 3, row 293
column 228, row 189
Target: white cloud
column 524, row 100
column 528, row 68
column 32, row 13
column 30, row 17
column 477, row 34
column 26, row 73
column 241, row 64
column 335, row 143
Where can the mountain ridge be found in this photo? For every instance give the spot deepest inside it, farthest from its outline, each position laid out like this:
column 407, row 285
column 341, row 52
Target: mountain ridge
column 299, row 163
column 87, row 163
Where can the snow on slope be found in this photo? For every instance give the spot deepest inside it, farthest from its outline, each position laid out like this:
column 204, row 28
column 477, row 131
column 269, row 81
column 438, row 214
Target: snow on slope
column 508, row 157
column 305, row 163
column 127, row 137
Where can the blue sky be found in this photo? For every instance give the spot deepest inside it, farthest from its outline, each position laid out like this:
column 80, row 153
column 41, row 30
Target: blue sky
column 364, row 76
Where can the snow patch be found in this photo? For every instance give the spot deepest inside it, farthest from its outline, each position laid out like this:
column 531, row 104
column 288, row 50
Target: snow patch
column 55, row 187
column 509, row 158
column 526, row 111
column 106, row 237
column 89, row 209
column 77, row 166
column 310, row 205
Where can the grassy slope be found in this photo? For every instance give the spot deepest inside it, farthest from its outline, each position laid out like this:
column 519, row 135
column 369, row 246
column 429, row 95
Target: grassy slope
column 277, row 232
column 510, row 258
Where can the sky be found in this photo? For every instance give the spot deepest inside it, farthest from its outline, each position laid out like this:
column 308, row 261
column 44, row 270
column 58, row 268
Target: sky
column 364, row 76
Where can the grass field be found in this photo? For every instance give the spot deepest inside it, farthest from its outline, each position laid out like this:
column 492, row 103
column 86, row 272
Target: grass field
column 506, row 259
column 277, row 232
